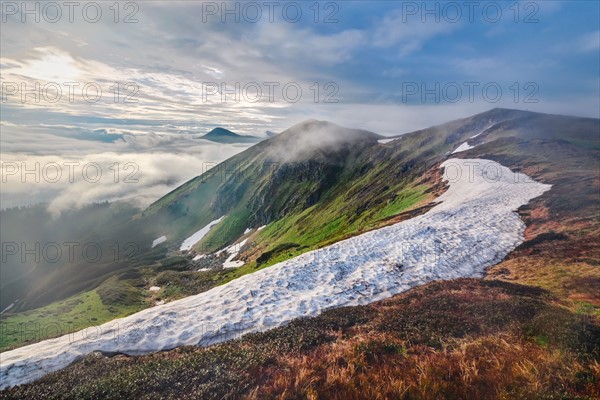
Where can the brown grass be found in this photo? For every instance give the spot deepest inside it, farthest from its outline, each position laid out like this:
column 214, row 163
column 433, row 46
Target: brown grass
column 498, row 366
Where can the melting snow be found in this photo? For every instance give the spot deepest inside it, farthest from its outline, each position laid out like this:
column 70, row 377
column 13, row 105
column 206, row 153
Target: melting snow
column 7, row 308
column 463, row 147
column 474, row 226
column 196, row 237
column 233, row 251
column 489, row 126
column 199, row 256
column 158, row 241
column 154, row 288
column 383, row 141
column 248, row 230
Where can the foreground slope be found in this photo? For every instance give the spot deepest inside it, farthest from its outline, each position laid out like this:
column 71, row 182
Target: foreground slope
column 465, row 338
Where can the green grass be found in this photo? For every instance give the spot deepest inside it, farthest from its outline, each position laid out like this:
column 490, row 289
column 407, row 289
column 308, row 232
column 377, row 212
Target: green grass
column 59, row 318
column 404, row 199
column 319, row 226
column 220, row 235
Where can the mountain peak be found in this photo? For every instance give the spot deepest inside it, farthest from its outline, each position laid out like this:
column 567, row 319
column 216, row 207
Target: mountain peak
column 218, row 131
column 307, row 138
column 222, row 135
column 322, row 129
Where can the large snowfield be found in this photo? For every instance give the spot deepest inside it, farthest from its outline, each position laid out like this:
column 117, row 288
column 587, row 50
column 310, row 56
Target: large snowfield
column 473, row 226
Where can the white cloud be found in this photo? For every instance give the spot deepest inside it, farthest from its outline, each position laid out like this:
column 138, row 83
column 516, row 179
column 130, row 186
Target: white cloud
column 143, row 168
column 408, row 34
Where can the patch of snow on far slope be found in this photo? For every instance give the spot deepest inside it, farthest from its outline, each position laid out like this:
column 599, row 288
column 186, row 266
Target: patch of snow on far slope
column 260, row 228
column 474, row 226
column 248, row 230
column 474, row 136
column 158, row 241
column 154, row 288
column 196, row 237
column 233, row 251
column 7, row 308
column 463, row 147
column 384, row 141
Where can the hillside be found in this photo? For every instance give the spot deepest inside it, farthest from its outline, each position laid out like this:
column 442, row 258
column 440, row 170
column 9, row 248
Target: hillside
column 349, row 184
column 336, row 188
column 342, row 182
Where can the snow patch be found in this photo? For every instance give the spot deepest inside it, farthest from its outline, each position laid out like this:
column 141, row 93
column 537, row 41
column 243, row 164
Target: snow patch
column 463, row 147
column 196, row 237
column 260, row 228
column 474, row 226
column 233, row 251
column 384, row 141
column 154, row 288
column 7, row 308
column 248, row 230
column 198, row 257
column 158, row 241
column 474, row 136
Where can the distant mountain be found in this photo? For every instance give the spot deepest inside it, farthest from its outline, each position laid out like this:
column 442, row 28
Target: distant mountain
column 222, row 135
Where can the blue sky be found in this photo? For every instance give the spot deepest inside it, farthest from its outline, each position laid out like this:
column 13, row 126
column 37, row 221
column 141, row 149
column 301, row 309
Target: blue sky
column 368, row 61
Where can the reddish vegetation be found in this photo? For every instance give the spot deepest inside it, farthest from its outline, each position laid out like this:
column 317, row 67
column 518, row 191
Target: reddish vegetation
column 464, row 339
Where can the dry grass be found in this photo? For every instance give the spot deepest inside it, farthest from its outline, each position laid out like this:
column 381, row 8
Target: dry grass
column 461, row 339
column 498, row 366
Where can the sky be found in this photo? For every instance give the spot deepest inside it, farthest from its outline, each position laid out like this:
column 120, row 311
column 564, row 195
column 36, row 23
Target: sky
column 130, row 86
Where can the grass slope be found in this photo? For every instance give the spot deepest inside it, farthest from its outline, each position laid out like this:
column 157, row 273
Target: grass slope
column 71, row 315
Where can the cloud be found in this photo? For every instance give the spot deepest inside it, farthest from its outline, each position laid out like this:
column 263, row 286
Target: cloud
column 141, row 168
column 407, row 34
